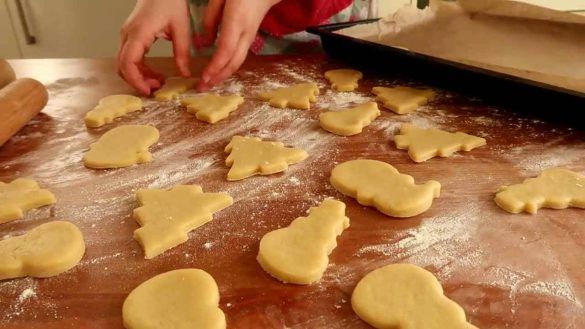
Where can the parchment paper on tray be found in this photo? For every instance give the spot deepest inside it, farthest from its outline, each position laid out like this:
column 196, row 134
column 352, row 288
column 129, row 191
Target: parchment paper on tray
column 510, row 37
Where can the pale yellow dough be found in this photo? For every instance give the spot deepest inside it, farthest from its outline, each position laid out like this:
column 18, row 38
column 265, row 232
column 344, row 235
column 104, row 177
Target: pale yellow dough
column 47, row 250
column 110, row 108
column 343, row 79
column 351, row 121
column 423, row 144
column 378, row 184
column 554, row 188
column 122, row 147
column 173, row 87
column 404, row 296
column 300, row 252
column 167, row 216
column 299, row 96
column 179, row 299
column 212, row 108
column 20, row 195
column 402, row 100
column 251, row 156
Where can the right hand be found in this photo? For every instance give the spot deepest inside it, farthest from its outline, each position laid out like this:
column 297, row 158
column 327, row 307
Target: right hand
column 152, row 19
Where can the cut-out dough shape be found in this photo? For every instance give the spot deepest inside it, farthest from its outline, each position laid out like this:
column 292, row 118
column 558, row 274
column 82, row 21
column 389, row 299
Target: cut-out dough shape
column 351, row 121
column 173, row 87
column 378, row 184
column 110, row 108
column 212, row 108
column 343, row 79
column 122, row 147
column 20, row 195
column 46, row 250
column 179, row 299
column 299, row 96
column 402, row 100
column 167, row 216
column 554, row 188
column 404, row 296
column 300, row 252
column 423, row 144
column 251, row 156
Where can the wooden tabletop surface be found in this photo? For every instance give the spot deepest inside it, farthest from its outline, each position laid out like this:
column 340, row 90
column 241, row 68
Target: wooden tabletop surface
column 506, row 271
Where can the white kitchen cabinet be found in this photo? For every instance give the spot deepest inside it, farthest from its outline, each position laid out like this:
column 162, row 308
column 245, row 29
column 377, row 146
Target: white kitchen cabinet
column 8, row 43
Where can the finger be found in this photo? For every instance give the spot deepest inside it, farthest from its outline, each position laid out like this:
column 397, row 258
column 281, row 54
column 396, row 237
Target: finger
column 211, row 19
column 131, row 58
column 181, row 48
column 226, row 46
column 235, row 62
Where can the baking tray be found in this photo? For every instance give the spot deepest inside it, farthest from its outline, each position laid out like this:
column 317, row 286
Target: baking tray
column 518, row 94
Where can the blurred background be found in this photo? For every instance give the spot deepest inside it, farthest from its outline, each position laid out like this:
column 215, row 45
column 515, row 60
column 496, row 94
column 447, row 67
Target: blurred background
column 90, row 28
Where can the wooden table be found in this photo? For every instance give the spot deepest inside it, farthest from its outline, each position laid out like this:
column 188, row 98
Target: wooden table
column 507, row 271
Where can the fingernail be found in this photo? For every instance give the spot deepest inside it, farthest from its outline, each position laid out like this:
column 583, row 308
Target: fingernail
column 205, row 79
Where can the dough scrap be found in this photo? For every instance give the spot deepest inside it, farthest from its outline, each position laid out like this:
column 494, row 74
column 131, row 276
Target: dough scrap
column 378, row 184
column 554, row 188
column 110, row 108
column 173, row 87
column 21, row 195
column 423, row 144
column 179, row 299
column 212, row 108
column 343, row 79
column 251, row 156
column 299, row 96
column 167, row 216
column 351, row 121
column 122, row 147
column 300, row 252
column 402, row 100
column 405, row 296
column 46, row 250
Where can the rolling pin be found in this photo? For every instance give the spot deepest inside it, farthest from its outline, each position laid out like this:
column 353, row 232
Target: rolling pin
column 20, row 101
column 6, row 73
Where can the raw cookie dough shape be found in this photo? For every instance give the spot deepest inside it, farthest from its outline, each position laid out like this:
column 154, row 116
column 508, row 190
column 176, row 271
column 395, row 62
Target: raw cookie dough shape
column 179, row 299
column 298, row 96
column 405, row 296
column 251, row 156
column 378, row 184
column 351, row 121
column 20, row 195
column 343, row 79
column 423, row 144
column 110, row 108
column 173, row 87
column 46, row 250
column 554, row 188
column 167, row 216
column 402, row 100
column 300, row 252
column 212, row 108
column 122, row 147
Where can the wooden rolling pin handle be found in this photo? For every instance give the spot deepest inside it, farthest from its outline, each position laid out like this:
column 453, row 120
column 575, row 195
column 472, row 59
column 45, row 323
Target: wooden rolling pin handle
column 6, row 73
column 20, row 101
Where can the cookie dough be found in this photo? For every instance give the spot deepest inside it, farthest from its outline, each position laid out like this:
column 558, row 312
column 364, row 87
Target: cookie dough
column 20, row 195
column 405, row 296
column 300, row 252
column 351, row 121
column 110, row 108
column 167, row 216
column 173, row 87
column 47, row 250
column 299, row 96
column 343, row 79
column 251, row 156
column 554, row 188
column 423, row 144
column 212, row 108
column 378, row 184
column 122, row 147
column 179, row 299
column 402, row 100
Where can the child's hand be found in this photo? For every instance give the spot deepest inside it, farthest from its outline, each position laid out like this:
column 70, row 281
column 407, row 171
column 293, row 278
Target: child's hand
column 149, row 20
column 240, row 20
